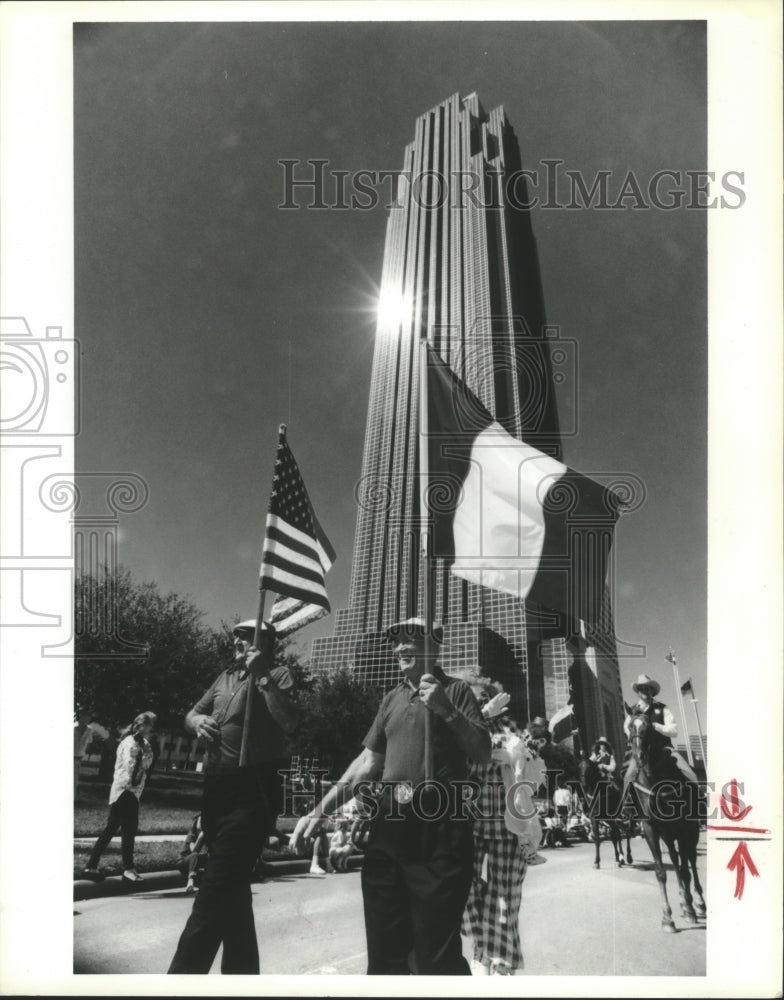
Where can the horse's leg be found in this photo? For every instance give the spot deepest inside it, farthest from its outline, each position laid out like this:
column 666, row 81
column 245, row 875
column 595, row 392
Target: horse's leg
column 596, row 839
column 699, row 901
column 652, row 839
column 629, row 858
column 615, row 833
column 681, row 866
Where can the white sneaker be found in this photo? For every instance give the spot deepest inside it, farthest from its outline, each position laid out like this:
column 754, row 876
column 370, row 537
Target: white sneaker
column 537, row 859
column 131, row 875
column 191, row 886
column 499, row 969
column 317, row 870
column 479, row 969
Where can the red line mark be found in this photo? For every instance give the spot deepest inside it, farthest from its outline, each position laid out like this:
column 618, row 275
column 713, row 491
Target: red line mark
column 732, row 809
column 739, row 829
column 739, row 860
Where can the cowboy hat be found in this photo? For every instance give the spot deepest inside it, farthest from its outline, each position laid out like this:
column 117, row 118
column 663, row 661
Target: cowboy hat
column 645, row 681
column 603, row 740
column 414, row 627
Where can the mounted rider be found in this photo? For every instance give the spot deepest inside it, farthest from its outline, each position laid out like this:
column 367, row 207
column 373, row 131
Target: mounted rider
column 664, row 729
column 603, row 756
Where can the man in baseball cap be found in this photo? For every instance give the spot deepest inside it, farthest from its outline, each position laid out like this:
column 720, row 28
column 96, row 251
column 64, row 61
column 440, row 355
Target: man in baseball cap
column 417, row 869
column 241, row 800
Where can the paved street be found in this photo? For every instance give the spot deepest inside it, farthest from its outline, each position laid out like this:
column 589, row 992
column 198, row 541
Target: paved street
column 574, row 921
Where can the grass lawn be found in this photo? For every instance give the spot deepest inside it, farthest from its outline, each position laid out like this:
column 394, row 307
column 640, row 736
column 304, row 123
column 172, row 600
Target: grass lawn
column 168, row 805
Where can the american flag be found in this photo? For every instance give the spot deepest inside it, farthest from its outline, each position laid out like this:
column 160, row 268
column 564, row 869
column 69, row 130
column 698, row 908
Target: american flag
column 296, row 553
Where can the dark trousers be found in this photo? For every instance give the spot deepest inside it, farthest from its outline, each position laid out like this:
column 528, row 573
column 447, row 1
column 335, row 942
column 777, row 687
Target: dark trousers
column 415, row 882
column 123, row 816
column 234, row 819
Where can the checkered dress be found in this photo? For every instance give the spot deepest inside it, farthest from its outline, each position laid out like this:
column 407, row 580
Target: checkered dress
column 493, row 910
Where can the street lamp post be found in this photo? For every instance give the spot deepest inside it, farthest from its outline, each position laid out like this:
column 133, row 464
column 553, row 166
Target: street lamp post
column 670, row 657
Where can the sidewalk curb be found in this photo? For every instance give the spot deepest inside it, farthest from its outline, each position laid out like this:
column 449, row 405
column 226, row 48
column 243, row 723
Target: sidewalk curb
column 113, row 885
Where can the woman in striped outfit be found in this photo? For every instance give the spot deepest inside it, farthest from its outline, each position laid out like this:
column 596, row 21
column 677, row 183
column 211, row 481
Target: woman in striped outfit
column 507, row 833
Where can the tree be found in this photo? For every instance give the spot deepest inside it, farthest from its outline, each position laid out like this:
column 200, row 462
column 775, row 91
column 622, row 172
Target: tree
column 336, row 711
column 182, row 655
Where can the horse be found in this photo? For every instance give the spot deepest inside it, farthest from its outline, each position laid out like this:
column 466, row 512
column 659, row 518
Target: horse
column 593, row 781
column 668, row 815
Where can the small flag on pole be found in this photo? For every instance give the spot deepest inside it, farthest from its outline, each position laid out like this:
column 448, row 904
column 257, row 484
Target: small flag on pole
column 687, row 688
column 506, row 515
column 296, row 554
column 562, row 724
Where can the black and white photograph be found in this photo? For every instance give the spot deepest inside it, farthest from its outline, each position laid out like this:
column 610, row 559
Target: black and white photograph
column 391, row 498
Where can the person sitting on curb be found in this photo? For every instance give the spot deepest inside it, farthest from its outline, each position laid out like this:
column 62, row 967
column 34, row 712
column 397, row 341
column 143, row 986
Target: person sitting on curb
column 340, row 846
column 321, row 850
column 195, row 849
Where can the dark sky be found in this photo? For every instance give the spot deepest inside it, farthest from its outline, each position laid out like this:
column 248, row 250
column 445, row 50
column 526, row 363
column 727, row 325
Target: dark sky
column 207, row 315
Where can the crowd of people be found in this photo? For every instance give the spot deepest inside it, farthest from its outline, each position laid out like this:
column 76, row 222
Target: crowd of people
column 431, row 870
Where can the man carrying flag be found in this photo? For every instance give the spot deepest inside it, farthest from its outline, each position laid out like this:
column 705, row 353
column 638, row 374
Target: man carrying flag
column 243, row 718
column 239, row 802
column 418, row 861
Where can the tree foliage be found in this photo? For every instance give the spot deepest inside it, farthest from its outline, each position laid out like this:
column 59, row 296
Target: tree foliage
column 181, row 655
column 181, row 659
column 336, row 711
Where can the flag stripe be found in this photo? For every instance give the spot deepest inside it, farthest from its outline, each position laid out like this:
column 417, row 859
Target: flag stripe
column 499, row 524
column 288, row 585
column 291, row 589
column 275, row 534
column 280, row 569
column 289, row 614
column 280, row 550
column 300, row 537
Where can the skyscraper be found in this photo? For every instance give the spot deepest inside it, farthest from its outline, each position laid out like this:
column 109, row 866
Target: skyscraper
column 461, row 269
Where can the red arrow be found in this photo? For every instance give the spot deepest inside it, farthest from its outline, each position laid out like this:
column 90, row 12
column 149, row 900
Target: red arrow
column 739, row 860
column 732, row 808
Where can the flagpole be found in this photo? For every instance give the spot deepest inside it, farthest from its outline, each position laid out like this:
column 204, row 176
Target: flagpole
column 670, row 657
column 265, row 648
column 699, row 727
column 424, row 536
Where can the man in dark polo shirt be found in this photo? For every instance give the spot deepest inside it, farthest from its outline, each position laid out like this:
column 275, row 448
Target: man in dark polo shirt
column 418, row 860
column 240, row 804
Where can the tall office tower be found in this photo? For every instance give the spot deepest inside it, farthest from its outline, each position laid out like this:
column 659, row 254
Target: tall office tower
column 460, row 269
